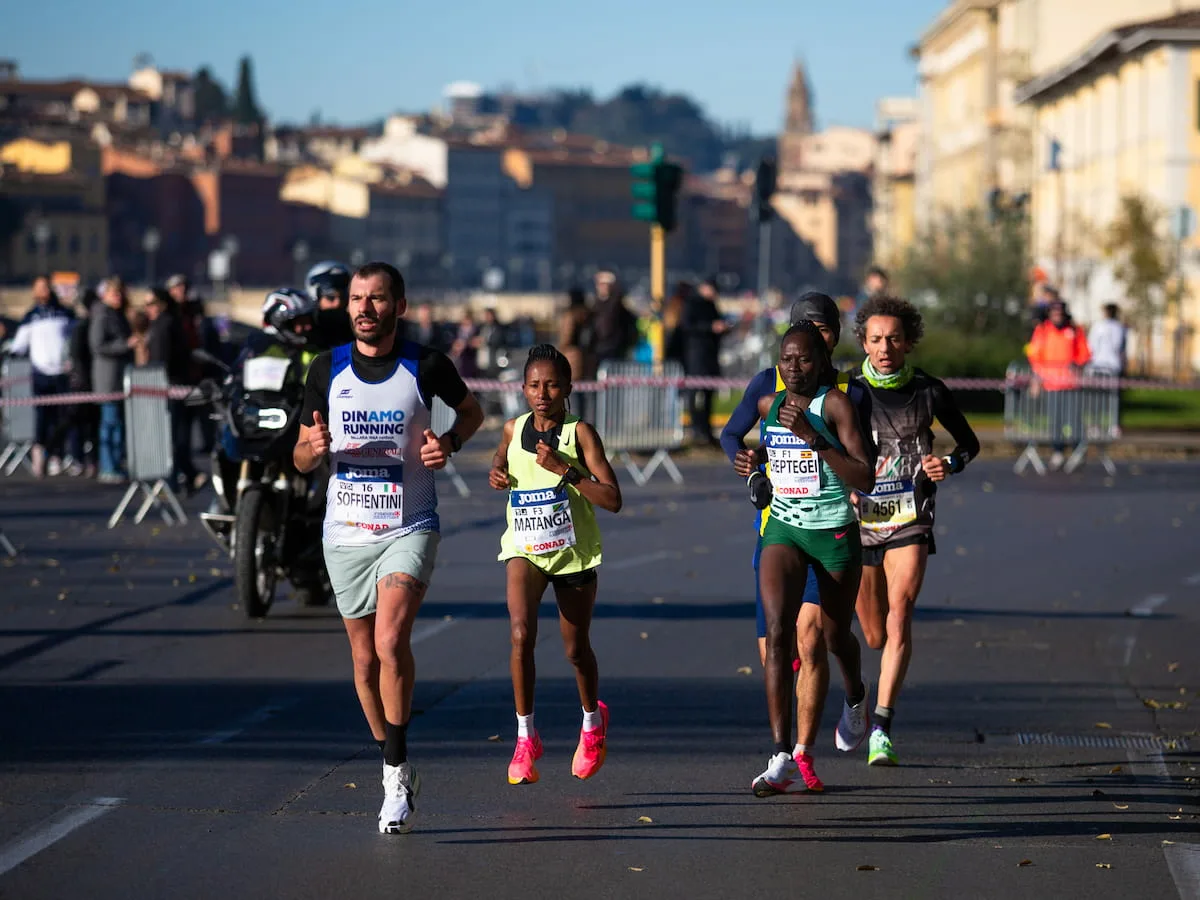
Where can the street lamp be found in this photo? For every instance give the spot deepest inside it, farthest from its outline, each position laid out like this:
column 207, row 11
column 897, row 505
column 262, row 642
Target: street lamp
column 151, row 241
column 42, row 234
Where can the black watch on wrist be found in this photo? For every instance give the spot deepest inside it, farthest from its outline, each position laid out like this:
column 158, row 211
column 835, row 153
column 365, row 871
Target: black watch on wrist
column 572, row 476
column 820, row 443
column 455, row 441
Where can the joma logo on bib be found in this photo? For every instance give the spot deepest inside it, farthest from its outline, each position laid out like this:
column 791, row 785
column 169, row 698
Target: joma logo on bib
column 533, row 498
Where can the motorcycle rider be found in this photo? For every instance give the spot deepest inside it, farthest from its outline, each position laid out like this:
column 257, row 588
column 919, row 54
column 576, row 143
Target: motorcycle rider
column 328, row 284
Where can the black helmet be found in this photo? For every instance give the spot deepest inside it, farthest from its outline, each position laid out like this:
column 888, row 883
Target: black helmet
column 283, row 307
column 328, row 279
column 817, row 307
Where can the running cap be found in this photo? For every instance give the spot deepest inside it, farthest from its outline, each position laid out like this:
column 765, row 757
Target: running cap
column 817, row 307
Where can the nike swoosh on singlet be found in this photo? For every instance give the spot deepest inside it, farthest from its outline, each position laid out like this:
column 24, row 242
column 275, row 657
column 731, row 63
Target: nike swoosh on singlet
column 838, row 537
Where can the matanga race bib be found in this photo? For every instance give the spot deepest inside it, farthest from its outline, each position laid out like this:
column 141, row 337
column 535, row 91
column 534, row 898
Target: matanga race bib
column 541, row 521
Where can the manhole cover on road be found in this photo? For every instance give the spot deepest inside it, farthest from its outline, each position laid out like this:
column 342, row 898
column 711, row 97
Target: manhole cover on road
column 1105, row 742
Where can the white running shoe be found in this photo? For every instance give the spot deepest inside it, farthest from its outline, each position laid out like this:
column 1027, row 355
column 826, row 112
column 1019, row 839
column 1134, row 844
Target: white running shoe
column 853, row 726
column 401, row 784
column 782, row 772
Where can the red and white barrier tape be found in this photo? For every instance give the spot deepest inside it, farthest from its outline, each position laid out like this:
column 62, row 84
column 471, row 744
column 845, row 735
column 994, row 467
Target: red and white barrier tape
column 692, row 382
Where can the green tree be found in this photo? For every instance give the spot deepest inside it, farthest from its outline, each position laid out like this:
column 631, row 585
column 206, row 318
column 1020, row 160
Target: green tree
column 211, row 102
column 970, row 273
column 1141, row 262
column 245, row 107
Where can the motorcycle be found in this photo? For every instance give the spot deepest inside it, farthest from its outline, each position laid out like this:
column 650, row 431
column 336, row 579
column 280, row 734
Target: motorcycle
column 266, row 515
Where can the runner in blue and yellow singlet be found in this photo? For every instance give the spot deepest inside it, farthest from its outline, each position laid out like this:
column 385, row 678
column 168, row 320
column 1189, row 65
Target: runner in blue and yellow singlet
column 555, row 469
column 815, row 452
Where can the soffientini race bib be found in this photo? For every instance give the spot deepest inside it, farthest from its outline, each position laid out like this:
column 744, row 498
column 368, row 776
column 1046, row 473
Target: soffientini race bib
column 795, row 468
column 889, row 507
column 541, row 521
column 363, row 495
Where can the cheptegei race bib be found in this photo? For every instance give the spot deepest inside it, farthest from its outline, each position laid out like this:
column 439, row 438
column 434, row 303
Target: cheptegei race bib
column 541, row 521
column 369, row 495
column 795, row 468
column 892, row 505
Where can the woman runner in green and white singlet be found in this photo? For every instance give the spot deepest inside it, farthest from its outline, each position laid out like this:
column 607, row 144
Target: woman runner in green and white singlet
column 555, row 469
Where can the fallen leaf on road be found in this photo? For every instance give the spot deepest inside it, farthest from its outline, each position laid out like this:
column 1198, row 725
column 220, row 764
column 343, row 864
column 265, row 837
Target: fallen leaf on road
column 959, row 622
column 191, row 579
column 114, row 568
column 494, row 738
column 447, row 618
column 1025, row 862
column 1121, row 806
column 980, row 644
column 1152, row 703
column 33, row 582
column 636, row 869
column 174, row 582
column 1104, row 837
column 643, row 635
column 51, row 564
column 350, row 784
column 1103, row 865
column 1168, row 843
column 646, row 819
column 215, row 573
column 1172, row 667
column 961, row 551
column 1115, row 770
column 62, row 595
column 988, row 487
column 1023, row 779
column 938, row 781
column 744, row 670
column 868, row 868
column 1174, row 818
column 1103, row 725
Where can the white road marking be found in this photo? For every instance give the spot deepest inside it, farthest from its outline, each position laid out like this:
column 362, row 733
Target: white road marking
column 1192, row 579
column 436, row 628
column 1148, row 606
column 630, row 561
column 1184, row 862
column 54, row 830
column 1130, row 643
column 257, row 717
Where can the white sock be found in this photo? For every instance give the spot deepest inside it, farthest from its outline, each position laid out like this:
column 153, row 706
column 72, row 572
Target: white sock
column 799, row 750
column 525, row 726
column 592, row 720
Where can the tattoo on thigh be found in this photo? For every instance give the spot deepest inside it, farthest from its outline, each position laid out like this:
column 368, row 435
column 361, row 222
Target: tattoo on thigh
column 401, row 581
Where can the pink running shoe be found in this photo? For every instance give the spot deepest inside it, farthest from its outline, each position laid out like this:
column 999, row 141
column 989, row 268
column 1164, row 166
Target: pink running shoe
column 589, row 755
column 522, row 769
column 804, row 762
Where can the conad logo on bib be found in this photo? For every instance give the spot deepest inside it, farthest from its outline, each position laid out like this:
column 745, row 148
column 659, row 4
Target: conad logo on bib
column 541, row 521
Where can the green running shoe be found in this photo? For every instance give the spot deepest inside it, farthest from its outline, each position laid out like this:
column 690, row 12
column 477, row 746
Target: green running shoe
column 881, row 752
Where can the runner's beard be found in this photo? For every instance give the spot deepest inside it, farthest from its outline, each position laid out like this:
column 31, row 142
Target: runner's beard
column 384, row 328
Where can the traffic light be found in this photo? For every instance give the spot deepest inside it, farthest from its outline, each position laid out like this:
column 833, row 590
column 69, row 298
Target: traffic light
column 764, row 189
column 656, row 186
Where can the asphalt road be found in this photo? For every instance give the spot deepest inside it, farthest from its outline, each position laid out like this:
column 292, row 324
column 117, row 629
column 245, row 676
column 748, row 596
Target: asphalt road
column 155, row 743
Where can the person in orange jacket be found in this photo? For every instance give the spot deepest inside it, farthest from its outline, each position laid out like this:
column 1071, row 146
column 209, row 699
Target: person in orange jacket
column 1057, row 352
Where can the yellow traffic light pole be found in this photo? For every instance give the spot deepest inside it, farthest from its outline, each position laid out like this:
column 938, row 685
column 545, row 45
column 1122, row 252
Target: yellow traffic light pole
column 658, row 290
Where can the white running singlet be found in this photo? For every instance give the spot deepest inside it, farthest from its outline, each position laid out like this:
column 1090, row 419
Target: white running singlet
column 378, row 487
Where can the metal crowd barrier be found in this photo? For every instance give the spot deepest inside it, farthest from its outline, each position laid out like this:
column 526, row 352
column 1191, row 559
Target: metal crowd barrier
column 641, row 418
column 1061, row 406
column 441, row 417
column 148, row 450
column 18, row 423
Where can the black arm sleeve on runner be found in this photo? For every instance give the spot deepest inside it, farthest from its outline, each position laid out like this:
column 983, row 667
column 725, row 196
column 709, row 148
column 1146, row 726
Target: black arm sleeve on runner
column 437, row 377
column 316, row 390
column 860, row 397
column 947, row 412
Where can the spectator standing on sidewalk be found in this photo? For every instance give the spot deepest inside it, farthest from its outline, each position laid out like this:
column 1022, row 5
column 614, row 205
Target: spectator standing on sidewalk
column 111, row 341
column 1057, row 352
column 83, row 434
column 44, row 335
column 199, row 333
column 702, row 330
column 1107, row 343
column 615, row 326
column 166, row 347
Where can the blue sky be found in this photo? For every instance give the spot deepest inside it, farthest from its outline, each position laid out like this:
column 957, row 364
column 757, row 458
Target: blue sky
column 358, row 60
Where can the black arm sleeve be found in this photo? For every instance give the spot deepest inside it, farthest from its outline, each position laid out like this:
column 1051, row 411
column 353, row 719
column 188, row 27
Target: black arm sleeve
column 947, row 412
column 437, row 377
column 860, row 397
column 316, row 390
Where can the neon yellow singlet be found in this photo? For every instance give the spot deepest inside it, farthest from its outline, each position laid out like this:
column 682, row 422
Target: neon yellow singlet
column 553, row 527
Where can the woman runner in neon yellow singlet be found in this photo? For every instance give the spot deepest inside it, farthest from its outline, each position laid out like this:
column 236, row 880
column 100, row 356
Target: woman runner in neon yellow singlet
column 555, row 469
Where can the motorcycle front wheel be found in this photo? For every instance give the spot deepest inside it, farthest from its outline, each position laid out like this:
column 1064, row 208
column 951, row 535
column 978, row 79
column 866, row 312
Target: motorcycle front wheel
column 255, row 567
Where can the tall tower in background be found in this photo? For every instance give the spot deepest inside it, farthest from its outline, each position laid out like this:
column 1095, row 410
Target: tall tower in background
column 798, row 124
